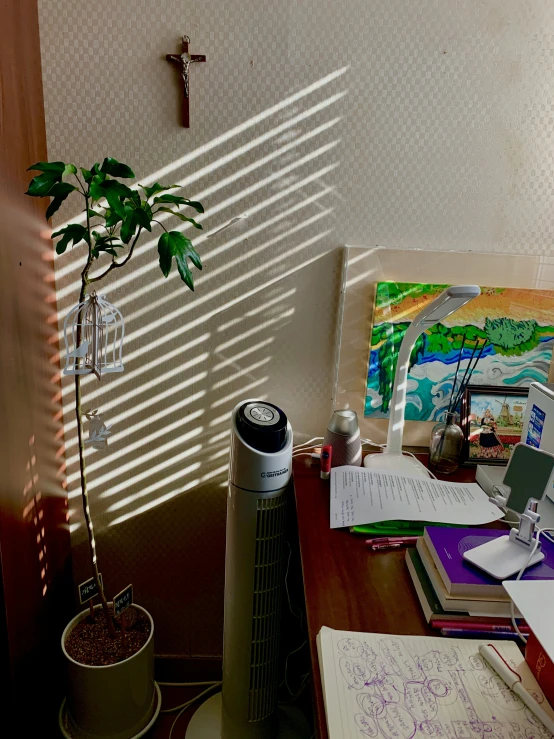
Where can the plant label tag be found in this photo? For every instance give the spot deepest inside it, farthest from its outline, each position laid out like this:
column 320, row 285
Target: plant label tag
column 88, row 589
column 123, row 600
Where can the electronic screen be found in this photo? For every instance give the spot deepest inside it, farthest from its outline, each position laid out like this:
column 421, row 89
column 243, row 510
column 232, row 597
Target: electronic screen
column 528, row 475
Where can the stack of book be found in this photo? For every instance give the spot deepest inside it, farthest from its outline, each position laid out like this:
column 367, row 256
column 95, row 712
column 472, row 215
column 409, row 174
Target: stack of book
column 457, row 597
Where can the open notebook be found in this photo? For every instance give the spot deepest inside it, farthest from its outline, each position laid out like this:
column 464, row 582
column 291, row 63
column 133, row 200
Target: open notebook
column 397, row 687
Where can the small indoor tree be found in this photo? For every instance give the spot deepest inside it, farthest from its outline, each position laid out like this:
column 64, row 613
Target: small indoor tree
column 115, row 217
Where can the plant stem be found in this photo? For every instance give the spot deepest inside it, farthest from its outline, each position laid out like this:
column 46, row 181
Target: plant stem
column 82, row 464
column 115, row 265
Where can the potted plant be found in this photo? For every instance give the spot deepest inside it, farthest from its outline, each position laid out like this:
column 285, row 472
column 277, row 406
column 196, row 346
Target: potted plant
column 110, row 688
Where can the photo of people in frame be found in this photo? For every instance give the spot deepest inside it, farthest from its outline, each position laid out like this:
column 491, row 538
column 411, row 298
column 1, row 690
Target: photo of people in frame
column 493, row 423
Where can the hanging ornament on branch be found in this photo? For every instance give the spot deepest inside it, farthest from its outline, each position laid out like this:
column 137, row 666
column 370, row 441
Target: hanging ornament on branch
column 93, row 333
column 98, row 431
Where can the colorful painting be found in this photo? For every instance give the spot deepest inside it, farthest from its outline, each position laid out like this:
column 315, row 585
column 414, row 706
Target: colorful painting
column 492, row 419
column 518, row 325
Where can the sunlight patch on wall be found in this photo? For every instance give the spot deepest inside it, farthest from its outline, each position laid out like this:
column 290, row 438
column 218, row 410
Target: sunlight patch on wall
column 192, row 357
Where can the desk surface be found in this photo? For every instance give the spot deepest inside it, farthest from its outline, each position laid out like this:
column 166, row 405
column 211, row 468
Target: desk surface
column 346, row 585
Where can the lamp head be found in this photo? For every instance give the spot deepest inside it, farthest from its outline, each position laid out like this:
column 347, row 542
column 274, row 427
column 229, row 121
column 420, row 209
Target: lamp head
column 447, row 302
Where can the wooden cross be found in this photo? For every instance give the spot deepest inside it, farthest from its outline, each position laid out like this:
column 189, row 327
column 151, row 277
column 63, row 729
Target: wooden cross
column 184, row 60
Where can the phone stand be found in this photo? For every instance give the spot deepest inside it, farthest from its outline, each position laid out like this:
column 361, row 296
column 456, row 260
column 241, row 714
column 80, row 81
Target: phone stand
column 506, row 555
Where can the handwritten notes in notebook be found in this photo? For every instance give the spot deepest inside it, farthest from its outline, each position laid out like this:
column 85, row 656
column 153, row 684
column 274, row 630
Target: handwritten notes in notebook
column 399, row 687
column 362, row 495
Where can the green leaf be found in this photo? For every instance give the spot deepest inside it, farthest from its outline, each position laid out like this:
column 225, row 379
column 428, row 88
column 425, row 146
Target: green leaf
column 88, row 174
column 156, row 187
column 177, row 200
column 174, row 244
column 69, row 169
column 112, row 218
column 48, row 167
column 113, row 191
column 135, row 197
column 116, row 169
column 198, row 207
column 147, row 209
column 142, row 219
column 72, row 233
column 96, row 189
column 165, row 254
column 115, row 203
column 94, row 214
column 181, row 216
column 128, row 228
column 42, row 184
column 103, row 243
column 59, row 193
column 118, row 187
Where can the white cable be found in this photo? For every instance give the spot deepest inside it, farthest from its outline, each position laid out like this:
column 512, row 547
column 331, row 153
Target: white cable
column 520, row 575
column 291, row 606
column 373, row 443
column 285, row 681
column 304, row 680
column 191, row 701
column 307, row 443
column 313, row 455
column 414, row 456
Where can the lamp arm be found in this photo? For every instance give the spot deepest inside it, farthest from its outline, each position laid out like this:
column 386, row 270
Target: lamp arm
column 398, row 400
column 442, row 306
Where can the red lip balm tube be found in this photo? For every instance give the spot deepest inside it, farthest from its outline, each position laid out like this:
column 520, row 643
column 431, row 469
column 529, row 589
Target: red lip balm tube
column 325, row 462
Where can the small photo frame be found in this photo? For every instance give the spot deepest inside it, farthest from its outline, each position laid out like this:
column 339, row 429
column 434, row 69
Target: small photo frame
column 492, row 422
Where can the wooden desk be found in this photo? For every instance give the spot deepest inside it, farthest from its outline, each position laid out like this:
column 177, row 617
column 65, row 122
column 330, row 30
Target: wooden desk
column 346, row 585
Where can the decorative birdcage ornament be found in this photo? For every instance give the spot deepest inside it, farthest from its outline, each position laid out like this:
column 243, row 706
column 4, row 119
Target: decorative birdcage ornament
column 93, row 333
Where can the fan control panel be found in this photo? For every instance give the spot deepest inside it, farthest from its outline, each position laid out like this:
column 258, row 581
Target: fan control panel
column 263, row 426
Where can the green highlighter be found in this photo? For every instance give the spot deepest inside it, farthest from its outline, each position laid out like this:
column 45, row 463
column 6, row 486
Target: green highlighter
column 396, row 528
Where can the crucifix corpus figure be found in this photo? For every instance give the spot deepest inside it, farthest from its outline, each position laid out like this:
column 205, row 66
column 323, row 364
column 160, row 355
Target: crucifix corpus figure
column 184, row 60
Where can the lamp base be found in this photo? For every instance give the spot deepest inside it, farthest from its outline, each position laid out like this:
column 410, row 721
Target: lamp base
column 398, row 463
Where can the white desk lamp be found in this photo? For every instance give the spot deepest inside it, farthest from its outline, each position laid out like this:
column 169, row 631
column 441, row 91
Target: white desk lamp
column 392, row 458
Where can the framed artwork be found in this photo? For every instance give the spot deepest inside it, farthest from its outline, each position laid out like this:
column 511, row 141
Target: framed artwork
column 513, row 326
column 492, row 422
column 525, row 286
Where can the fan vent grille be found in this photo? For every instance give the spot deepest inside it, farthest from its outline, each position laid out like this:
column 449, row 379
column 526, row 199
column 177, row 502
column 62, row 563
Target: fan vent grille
column 268, row 575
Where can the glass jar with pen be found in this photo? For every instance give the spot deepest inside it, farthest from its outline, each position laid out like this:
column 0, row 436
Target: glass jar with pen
column 446, row 445
column 447, row 438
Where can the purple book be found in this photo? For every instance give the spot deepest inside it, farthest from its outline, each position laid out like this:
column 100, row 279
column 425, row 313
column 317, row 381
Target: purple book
column 462, row 579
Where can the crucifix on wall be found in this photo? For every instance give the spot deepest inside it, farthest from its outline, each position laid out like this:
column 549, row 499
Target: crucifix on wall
column 184, row 60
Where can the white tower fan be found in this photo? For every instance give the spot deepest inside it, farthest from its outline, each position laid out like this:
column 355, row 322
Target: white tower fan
column 259, row 474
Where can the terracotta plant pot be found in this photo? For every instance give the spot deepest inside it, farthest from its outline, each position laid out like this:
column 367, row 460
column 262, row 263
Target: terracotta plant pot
column 119, row 701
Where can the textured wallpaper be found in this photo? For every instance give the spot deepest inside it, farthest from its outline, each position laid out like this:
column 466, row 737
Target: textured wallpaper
column 382, row 122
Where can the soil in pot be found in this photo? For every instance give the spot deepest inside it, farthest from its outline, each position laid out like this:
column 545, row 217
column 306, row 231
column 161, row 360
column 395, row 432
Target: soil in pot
column 90, row 643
